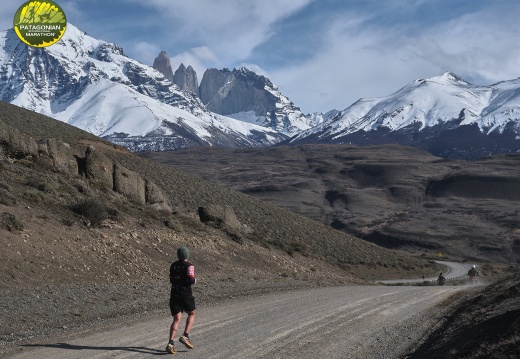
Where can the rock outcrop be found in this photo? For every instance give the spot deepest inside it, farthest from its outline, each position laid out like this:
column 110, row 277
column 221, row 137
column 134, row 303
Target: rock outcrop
column 98, row 167
column 124, row 181
column 244, row 95
column 17, row 145
column 163, row 64
column 62, row 156
column 129, row 184
column 220, row 217
column 186, row 79
column 228, row 92
column 94, row 166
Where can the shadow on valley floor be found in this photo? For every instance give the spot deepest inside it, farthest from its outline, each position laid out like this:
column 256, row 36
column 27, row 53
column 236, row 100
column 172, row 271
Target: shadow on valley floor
column 397, row 197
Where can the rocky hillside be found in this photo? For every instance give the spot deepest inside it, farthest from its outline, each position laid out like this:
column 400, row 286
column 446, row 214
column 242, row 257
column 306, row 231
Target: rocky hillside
column 125, row 183
column 394, row 196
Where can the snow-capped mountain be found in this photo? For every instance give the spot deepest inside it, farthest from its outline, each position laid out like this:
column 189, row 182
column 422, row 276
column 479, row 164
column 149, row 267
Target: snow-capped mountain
column 444, row 114
column 249, row 97
column 92, row 85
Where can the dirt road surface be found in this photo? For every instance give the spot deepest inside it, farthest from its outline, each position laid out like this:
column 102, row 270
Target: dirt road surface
column 338, row 322
column 454, row 270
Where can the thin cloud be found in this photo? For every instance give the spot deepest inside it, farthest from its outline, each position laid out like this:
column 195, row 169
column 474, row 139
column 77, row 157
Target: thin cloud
column 200, row 58
column 231, row 28
column 145, row 51
column 362, row 59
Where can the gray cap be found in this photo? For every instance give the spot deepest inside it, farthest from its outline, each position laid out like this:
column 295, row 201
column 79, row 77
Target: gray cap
column 183, row 253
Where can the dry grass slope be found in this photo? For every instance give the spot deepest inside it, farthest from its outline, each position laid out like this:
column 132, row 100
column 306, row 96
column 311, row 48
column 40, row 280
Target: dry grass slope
column 269, row 225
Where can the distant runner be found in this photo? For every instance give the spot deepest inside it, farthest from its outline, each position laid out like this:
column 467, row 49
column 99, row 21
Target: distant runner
column 182, row 276
column 441, row 280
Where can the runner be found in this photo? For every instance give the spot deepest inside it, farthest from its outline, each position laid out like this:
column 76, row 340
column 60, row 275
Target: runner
column 182, row 276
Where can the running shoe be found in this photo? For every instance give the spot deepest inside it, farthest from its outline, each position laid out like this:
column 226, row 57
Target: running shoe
column 170, row 349
column 186, row 341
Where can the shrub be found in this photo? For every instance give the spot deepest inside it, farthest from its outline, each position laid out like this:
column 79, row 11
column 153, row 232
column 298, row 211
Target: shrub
column 301, row 247
column 7, row 198
column 34, row 197
column 173, row 224
column 92, row 210
column 11, row 223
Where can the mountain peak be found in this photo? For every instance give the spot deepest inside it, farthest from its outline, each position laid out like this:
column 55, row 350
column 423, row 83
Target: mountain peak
column 91, row 84
column 245, row 95
column 448, row 78
column 163, row 64
column 186, row 79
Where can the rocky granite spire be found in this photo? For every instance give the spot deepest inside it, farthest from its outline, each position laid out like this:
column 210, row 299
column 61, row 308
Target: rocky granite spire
column 250, row 97
column 186, row 79
column 163, row 65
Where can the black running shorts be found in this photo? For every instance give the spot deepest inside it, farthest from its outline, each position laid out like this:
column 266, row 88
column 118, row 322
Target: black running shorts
column 180, row 303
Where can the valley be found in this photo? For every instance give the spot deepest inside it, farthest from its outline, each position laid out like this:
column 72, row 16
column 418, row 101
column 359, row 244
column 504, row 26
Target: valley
column 394, row 196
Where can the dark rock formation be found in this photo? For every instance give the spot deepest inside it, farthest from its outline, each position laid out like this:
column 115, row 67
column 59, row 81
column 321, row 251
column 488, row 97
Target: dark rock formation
column 163, row 65
column 186, row 79
column 228, row 92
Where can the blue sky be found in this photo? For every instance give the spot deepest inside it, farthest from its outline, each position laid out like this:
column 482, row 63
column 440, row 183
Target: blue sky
column 322, row 54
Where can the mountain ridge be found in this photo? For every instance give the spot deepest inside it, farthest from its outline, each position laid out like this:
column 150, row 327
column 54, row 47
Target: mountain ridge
column 424, row 111
column 92, row 84
column 95, row 86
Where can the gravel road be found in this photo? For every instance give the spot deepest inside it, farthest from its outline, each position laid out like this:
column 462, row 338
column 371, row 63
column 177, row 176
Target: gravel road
column 337, row 322
column 453, row 270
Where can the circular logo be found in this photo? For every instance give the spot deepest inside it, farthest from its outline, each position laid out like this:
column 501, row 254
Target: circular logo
column 40, row 23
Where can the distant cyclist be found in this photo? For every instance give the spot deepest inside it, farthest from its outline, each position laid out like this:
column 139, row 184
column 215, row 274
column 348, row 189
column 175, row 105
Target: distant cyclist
column 473, row 274
column 441, row 280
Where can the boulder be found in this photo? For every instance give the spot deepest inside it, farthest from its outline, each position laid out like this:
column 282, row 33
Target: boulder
column 155, row 197
column 129, row 184
column 220, row 216
column 98, row 167
column 61, row 156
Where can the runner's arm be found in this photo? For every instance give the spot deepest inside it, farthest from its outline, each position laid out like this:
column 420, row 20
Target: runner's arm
column 191, row 275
